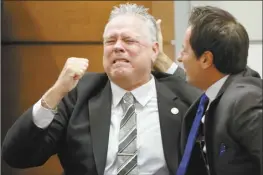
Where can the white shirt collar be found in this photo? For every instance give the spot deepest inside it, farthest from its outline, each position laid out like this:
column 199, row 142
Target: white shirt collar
column 213, row 90
column 142, row 94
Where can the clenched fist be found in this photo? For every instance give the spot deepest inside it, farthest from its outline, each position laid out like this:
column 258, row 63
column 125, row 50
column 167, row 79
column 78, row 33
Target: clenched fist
column 72, row 71
column 69, row 77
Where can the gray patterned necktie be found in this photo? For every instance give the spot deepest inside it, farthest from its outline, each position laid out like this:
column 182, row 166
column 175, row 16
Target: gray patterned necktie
column 127, row 153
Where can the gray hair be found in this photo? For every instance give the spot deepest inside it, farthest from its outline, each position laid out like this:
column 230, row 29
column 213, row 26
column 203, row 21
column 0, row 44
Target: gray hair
column 137, row 10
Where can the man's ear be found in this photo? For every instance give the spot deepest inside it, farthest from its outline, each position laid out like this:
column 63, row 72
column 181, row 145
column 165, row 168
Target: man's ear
column 155, row 53
column 206, row 59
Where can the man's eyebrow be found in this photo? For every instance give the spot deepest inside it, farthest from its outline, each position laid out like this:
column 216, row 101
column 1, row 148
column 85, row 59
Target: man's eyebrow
column 110, row 35
column 128, row 37
column 123, row 36
column 107, row 37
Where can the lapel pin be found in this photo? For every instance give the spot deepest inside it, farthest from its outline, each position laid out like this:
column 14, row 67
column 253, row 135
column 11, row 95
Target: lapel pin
column 174, row 111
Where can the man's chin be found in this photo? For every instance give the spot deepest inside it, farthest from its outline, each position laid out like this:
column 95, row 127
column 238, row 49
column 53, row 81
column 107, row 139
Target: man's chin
column 120, row 75
column 121, row 72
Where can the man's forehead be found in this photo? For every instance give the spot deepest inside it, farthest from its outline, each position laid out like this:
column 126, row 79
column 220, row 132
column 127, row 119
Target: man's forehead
column 131, row 25
column 122, row 33
column 120, row 23
column 121, row 27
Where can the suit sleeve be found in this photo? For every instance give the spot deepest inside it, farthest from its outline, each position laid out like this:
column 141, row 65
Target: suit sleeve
column 26, row 145
column 247, row 124
column 42, row 117
column 176, row 71
column 179, row 72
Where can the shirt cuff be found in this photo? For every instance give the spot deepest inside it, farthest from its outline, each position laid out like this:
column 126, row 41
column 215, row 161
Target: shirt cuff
column 42, row 117
column 172, row 69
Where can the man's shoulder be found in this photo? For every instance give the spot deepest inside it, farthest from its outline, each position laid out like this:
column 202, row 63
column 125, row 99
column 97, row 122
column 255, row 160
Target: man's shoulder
column 245, row 84
column 173, row 81
column 167, row 76
column 92, row 81
column 245, row 90
column 185, row 91
column 94, row 76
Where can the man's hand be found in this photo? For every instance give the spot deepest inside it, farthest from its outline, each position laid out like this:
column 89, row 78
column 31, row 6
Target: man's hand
column 163, row 62
column 159, row 36
column 68, row 79
column 71, row 73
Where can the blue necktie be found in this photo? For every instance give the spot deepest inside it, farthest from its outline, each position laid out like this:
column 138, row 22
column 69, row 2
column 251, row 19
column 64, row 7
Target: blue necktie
column 192, row 136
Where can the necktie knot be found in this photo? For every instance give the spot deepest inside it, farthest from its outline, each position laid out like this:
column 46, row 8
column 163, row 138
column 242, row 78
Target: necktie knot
column 127, row 100
column 202, row 104
column 204, row 99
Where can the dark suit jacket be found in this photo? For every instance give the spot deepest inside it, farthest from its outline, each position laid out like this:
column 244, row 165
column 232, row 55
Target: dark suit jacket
column 79, row 132
column 234, row 119
column 179, row 72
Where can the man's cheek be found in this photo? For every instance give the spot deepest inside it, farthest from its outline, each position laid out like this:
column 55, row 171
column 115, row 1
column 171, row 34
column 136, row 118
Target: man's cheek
column 133, row 52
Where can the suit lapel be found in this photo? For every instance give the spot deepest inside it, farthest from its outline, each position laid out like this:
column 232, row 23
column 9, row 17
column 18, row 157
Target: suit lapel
column 100, row 117
column 187, row 124
column 170, row 123
column 228, row 82
column 210, row 113
column 211, row 117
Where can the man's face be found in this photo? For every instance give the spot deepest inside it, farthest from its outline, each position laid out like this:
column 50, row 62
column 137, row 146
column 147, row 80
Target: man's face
column 128, row 50
column 191, row 64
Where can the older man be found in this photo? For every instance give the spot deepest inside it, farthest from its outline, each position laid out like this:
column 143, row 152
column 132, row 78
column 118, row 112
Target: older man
column 124, row 121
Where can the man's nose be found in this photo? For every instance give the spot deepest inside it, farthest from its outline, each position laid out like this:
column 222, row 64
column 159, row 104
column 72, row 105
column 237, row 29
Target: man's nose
column 118, row 47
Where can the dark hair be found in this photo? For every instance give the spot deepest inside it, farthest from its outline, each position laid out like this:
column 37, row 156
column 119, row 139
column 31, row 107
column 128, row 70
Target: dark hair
column 217, row 31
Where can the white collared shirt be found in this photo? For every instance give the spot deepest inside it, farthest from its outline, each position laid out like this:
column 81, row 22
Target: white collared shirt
column 150, row 158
